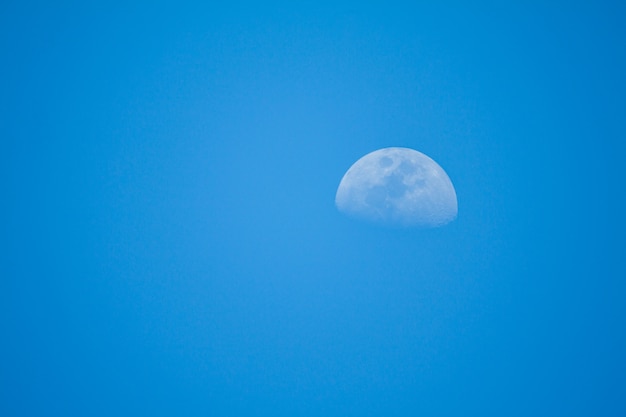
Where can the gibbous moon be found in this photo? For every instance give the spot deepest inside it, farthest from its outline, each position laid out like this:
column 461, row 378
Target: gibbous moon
column 397, row 186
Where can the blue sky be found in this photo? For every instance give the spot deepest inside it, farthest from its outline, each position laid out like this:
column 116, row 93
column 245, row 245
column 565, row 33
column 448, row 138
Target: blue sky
column 170, row 244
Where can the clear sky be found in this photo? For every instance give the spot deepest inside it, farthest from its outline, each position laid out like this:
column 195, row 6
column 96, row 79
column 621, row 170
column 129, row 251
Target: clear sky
column 170, row 243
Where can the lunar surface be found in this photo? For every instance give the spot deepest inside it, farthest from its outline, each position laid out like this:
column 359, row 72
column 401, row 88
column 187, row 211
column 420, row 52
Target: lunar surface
column 397, row 186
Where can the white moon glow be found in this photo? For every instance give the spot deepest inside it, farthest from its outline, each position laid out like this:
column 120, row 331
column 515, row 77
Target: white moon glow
column 398, row 186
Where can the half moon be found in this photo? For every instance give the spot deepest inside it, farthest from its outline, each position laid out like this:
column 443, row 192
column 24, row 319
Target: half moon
column 397, row 186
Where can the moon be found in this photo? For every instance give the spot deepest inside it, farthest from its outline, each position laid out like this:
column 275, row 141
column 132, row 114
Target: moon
column 397, row 187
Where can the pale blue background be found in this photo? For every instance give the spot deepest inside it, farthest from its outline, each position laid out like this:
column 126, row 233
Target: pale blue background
column 170, row 244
